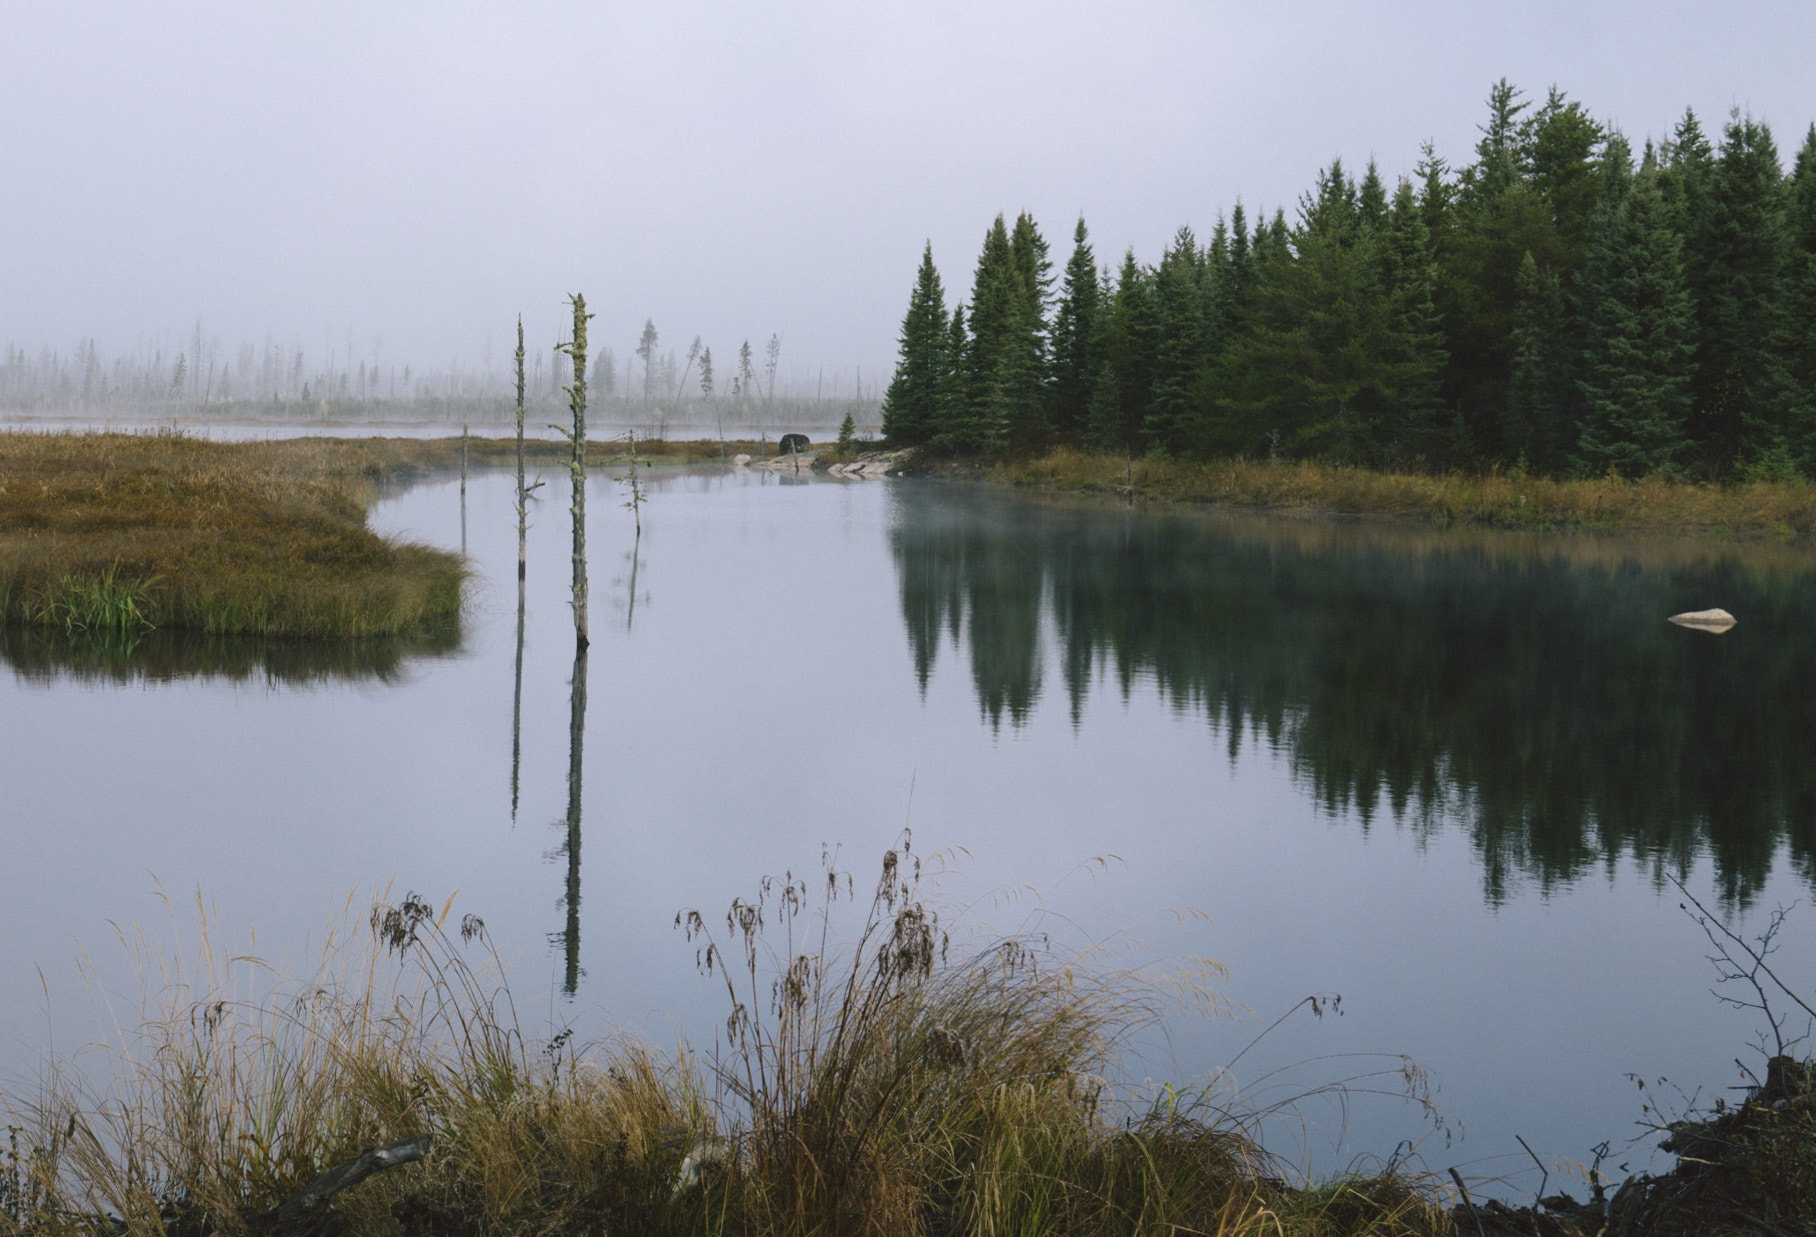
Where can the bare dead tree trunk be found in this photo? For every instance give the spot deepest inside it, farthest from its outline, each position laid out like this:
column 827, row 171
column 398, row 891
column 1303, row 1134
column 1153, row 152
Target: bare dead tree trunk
column 576, row 350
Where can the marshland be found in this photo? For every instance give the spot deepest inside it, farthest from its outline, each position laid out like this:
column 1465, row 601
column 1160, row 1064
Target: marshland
column 1236, row 772
column 1445, row 772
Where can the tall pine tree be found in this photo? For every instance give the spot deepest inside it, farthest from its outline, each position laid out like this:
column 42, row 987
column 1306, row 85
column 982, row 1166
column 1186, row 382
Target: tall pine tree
column 912, row 405
column 1178, row 353
column 1800, row 306
column 1742, row 377
column 1639, row 327
column 1074, row 343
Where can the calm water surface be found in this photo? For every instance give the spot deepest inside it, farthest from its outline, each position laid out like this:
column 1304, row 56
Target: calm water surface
column 1445, row 775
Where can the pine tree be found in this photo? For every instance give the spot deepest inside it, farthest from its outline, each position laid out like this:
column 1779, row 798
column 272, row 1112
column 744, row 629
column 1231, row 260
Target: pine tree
column 1562, row 142
column 955, row 390
column 646, row 352
column 1538, row 430
column 1004, row 361
column 1498, row 218
column 1688, row 182
column 1371, row 200
column 1073, row 352
column 912, row 405
column 1800, row 305
column 1742, row 375
column 997, row 291
column 1639, row 327
column 1436, row 197
column 1178, row 351
column 1024, row 374
column 1127, row 339
column 1415, row 422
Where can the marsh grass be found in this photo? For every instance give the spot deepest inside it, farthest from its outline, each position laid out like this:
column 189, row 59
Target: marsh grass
column 107, row 534
column 1783, row 510
column 897, row 1084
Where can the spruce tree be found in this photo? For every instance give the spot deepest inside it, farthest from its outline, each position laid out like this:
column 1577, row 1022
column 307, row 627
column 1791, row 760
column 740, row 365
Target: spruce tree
column 1126, row 343
column 1178, row 347
column 1688, row 182
column 1639, row 328
column 1024, row 359
column 1562, row 142
column 1073, row 352
column 1742, row 374
column 955, row 389
column 988, row 362
column 1436, row 195
column 1415, row 428
column 912, row 405
column 1371, row 200
column 1539, row 431
column 1800, row 305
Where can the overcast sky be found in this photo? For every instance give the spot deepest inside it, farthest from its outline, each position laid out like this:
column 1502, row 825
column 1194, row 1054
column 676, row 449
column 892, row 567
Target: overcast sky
column 419, row 173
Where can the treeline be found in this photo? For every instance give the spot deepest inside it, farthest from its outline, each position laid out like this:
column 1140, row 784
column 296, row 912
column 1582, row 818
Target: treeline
column 1563, row 305
column 650, row 385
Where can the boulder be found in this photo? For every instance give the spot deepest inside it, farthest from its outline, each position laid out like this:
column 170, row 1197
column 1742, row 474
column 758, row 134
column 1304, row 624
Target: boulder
column 1715, row 621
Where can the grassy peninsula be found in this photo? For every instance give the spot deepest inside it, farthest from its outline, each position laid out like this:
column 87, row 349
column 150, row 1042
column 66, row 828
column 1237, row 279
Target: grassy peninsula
column 117, row 532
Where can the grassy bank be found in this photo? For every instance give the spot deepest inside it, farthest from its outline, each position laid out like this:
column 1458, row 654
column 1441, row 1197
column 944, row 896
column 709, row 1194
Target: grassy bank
column 893, row 1087
column 110, row 533
column 1752, row 510
column 900, row 1085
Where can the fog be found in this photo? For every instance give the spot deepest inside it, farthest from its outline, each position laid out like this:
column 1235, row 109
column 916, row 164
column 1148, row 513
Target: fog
column 377, row 187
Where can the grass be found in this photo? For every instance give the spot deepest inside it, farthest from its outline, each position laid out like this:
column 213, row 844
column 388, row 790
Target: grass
column 901, row 1085
column 104, row 535
column 1761, row 509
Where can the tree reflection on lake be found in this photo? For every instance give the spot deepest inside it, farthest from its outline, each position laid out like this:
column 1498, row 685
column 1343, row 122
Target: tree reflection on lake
column 1524, row 686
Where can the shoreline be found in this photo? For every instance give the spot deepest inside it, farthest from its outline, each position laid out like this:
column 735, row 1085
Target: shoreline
column 1758, row 510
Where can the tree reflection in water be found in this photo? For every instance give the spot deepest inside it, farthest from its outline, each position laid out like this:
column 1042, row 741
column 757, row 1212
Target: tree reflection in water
column 1525, row 687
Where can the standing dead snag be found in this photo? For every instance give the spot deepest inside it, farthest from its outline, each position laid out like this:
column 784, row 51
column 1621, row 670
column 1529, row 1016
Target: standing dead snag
column 523, row 491
column 576, row 350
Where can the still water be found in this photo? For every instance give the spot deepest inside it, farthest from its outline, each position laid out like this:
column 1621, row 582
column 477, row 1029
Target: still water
column 1446, row 775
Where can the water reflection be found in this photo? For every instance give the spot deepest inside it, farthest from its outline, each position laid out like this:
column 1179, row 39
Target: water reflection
column 45, row 656
column 569, row 936
column 1528, row 688
column 517, row 700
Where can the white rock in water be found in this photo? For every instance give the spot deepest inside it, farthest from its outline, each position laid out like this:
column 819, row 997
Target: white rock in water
column 740, row 460
column 1705, row 620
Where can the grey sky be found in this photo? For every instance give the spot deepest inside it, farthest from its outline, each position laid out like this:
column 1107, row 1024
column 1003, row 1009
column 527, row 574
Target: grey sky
column 418, row 173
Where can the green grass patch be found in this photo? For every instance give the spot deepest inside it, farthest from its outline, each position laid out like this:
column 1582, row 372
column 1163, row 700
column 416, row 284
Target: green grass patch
column 1780, row 510
column 104, row 535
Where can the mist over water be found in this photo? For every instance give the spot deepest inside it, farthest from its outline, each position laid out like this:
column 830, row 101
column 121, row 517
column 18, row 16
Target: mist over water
column 1441, row 773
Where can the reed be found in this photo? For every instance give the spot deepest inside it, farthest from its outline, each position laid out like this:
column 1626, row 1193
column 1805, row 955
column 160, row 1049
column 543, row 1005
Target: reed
column 903, row 1085
column 1784, row 510
column 105, row 534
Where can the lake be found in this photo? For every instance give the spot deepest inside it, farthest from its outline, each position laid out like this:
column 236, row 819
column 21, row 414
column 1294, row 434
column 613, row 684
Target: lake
column 1446, row 774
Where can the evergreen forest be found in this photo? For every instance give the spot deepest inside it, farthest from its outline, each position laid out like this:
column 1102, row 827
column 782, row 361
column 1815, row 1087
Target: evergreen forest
column 1563, row 305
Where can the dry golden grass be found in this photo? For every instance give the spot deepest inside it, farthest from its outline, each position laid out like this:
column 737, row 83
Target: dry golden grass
column 1781, row 510
column 901, row 1090
column 112, row 532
